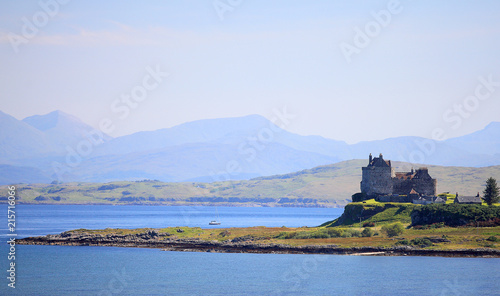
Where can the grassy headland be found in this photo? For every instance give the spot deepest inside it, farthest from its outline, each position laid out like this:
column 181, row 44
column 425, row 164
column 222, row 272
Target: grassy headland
column 453, row 242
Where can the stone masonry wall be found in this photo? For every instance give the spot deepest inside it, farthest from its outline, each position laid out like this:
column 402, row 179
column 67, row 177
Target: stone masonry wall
column 377, row 180
column 423, row 186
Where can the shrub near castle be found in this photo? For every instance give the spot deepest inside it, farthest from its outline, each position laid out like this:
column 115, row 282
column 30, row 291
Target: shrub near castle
column 394, row 229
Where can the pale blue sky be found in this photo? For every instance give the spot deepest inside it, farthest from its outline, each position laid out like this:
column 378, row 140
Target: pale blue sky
column 264, row 55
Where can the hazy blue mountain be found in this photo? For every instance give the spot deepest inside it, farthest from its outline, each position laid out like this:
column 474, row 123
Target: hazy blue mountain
column 485, row 141
column 19, row 140
column 204, row 150
column 17, row 174
column 198, row 161
column 200, row 131
column 420, row 150
column 481, row 148
column 62, row 130
column 232, row 131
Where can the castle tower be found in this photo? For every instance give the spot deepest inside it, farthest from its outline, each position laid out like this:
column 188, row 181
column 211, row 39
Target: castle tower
column 377, row 177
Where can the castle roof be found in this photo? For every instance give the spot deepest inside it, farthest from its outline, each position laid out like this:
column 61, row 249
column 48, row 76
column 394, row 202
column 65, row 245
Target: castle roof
column 380, row 162
column 422, row 173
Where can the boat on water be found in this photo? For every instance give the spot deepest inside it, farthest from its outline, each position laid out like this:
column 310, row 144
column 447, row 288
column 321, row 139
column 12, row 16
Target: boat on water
column 216, row 221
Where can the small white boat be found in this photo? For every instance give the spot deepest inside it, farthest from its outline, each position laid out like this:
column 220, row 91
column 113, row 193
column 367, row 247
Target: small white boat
column 215, row 222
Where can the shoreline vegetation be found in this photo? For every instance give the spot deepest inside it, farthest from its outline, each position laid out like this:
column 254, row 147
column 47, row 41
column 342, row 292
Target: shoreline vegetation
column 448, row 242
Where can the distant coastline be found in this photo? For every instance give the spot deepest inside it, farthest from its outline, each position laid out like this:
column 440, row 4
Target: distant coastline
column 188, row 204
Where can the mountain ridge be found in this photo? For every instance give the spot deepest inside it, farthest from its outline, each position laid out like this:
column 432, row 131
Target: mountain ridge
column 211, row 149
column 63, row 129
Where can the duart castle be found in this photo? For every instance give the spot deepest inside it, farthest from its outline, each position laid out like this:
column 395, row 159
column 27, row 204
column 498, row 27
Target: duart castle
column 380, row 181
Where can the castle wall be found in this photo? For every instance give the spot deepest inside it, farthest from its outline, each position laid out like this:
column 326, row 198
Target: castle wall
column 423, row 186
column 377, row 180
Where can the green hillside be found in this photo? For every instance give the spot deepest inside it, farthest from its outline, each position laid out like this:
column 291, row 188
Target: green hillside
column 323, row 186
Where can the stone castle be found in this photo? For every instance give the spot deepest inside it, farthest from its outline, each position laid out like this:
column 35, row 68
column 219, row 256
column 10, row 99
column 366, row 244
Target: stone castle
column 381, row 181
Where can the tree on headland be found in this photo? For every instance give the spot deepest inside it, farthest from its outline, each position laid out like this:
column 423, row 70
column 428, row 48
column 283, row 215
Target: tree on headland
column 491, row 192
column 367, row 232
column 394, row 229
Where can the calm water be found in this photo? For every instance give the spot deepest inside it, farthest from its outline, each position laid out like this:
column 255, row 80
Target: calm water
column 33, row 220
column 58, row 270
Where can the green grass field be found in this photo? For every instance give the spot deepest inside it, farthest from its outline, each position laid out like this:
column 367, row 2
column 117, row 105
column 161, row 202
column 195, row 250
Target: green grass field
column 458, row 238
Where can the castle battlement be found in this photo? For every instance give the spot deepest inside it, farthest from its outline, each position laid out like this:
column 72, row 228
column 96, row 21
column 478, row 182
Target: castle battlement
column 379, row 178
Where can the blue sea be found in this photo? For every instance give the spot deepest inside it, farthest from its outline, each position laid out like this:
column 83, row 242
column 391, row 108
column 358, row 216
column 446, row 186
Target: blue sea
column 64, row 270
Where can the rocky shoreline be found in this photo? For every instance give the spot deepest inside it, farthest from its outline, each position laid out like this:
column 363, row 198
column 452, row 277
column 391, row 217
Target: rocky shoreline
column 168, row 242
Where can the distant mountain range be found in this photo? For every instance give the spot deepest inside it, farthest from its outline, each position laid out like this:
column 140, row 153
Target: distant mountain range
column 58, row 146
